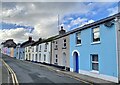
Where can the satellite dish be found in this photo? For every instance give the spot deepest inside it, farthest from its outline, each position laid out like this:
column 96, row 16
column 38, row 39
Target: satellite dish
column 108, row 24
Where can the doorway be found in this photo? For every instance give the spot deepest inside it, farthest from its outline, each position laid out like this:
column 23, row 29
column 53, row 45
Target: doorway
column 76, row 62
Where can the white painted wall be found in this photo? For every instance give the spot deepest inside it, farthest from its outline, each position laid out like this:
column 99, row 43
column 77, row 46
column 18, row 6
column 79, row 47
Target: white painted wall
column 43, row 52
column 28, row 54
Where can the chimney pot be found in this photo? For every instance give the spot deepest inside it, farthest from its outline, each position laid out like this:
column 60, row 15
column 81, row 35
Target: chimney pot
column 30, row 38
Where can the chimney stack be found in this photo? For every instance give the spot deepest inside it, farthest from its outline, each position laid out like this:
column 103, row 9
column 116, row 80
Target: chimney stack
column 62, row 31
column 30, row 38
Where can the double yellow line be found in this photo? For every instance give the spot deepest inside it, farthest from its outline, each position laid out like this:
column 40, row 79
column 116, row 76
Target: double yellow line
column 12, row 73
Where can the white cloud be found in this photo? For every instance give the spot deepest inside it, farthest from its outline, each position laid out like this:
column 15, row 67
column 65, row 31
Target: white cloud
column 12, row 12
column 79, row 21
column 43, row 17
column 113, row 10
column 18, row 34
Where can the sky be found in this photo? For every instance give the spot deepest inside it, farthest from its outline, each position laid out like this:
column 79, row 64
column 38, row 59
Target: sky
column 19, row 20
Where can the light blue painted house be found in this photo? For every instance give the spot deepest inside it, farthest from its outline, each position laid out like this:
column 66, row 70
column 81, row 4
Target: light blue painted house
column 20, row 52
column 15, row 52
column 95, row 49
column 21, row 48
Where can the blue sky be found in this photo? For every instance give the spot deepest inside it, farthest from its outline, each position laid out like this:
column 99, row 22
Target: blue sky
column 20, row 20
column 99, row 13
column 14, row 26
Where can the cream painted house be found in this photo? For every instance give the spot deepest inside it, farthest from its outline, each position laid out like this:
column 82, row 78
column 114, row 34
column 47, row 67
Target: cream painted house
column 60, row 50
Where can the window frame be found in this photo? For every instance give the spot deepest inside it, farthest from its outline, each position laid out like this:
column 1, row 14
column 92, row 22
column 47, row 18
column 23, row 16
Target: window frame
column 40, row 57
column 33, row 49
column 64, row 43
column 94, row 62
column 40, row 48
column 56, row 45
column 36, row 48
column 45, row 46
column 78, row 38
column 44, row 57
column 93, row 34
column 56, row 58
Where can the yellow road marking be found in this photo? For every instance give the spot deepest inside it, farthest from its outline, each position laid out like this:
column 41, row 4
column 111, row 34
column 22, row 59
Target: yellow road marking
column 13, row 75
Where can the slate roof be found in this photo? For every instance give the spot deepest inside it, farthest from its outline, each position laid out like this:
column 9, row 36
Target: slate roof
column 27, row 43
column 44, row 40
column 9, row 43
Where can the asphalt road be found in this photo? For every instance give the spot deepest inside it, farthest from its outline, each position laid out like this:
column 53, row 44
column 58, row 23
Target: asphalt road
column 4, row 74
column 28, row 72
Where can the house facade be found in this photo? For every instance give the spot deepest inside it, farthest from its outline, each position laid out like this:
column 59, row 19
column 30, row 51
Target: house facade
column 42, row 51
column 45, row 52
column 28, row 49
column 34, row 52
column 28, row 53
column 20, row 54
column 60, row 50
column 95, row 49
column 8, row 48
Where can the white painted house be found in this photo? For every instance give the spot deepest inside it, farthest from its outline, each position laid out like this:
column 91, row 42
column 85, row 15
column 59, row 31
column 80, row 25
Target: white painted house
column 28, row 53
column 45, row 52
column 28, row 49
column 41, row 51
column 34, row 52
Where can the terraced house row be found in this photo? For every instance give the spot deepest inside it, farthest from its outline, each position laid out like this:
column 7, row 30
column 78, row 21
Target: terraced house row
column 93, row 49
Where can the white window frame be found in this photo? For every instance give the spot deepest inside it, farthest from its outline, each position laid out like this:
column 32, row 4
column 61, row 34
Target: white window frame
column 45, row 46
column 94, row 62
column 56, row 58
column 33, row 49
column 93, row 34
column 36, row 48
column 56, row 45
column 26, row 49
column 44, row 57
column 40, row 57
column 33, row 57
column 64, row 42
column 40, row 47
column 78, row 38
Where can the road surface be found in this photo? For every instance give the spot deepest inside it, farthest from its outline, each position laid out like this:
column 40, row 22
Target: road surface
column 27, row 72
column 4, row 74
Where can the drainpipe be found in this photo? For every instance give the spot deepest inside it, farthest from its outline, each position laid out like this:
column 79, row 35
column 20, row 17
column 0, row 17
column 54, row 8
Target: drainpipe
column 118, row 45
column 51, row 52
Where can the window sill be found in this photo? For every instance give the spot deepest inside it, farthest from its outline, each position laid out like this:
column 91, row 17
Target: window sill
column 55, row 48
column 94, row 71
column 64, row 47
column 78, row 45
column 95, row 43
column 45, row 50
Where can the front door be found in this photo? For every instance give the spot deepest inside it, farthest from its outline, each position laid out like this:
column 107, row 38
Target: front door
column 77, row 64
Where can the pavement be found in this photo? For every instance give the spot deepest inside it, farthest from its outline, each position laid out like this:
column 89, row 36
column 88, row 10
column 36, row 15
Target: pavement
column 28, row 72
column 84, row 78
